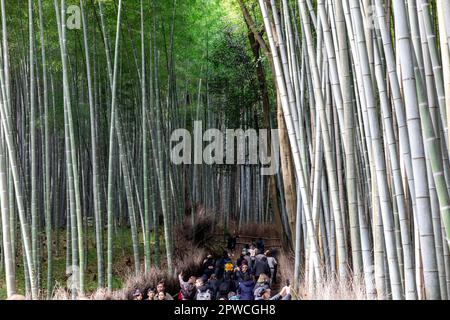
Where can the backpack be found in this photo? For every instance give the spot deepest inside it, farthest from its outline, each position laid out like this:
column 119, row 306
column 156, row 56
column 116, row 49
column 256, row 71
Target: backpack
column 204, row 295
column 189, row 292
column 258, row 291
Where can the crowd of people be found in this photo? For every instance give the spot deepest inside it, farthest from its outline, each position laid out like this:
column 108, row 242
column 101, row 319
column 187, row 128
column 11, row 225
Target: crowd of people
column 249, row 277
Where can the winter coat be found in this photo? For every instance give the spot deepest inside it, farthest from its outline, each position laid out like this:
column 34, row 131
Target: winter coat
column 220, row 266
column 261, row 266
column 231, row 242
column 225, row 287
column 188, row 290
column 258, row 287
column 243, row 276
column 272, row 262
column 208, row 266
column 245, row 290
column 260, row 256
column 214, row 286
column 239, row 261
column 259, row 244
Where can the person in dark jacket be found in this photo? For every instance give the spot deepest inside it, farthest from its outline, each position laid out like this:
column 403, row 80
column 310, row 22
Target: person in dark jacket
column 245, row 290
column 208, row 266
column 248, row 258
column 259, row 255
column 227, row 285
column 262, row 266
column 231, row 242
column 259, row 244
column 244, row 273
column 239, row 260
column 213, row 284
column 220, row 265
column 273, row 265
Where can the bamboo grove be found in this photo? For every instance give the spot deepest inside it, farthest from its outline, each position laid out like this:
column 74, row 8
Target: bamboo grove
column 364, row 88
column 359, row 91
column 90, row 94
column 61, row 170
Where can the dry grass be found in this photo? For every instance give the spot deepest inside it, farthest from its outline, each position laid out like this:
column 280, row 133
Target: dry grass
column 145, row 281
column 187, row 260
column 190, row 250
column 326, row 290
column 103, row 294
column 99, row 294
column 191, row 247
column 200, row 236
column 333, row 290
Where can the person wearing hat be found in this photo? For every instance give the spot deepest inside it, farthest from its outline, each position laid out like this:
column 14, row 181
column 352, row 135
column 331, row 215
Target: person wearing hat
column 264, row 294
column 263, row 282
column 137, row 295
column 233, row 296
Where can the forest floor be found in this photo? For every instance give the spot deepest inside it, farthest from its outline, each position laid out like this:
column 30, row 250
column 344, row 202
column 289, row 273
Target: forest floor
column 122, row 267
column 123, row 255
column 187, row 257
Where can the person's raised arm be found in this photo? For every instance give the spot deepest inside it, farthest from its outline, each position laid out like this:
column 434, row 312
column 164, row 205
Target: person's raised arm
column 287, row 295
column 180, row 278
